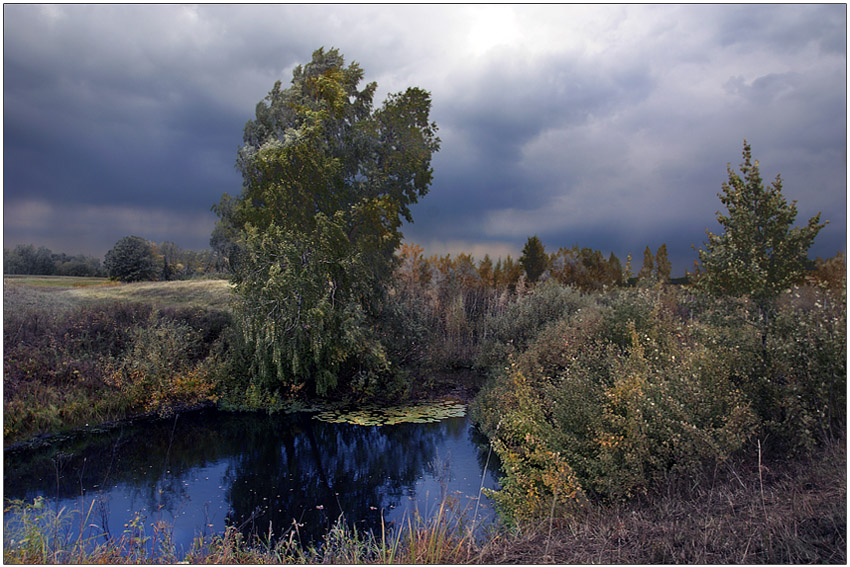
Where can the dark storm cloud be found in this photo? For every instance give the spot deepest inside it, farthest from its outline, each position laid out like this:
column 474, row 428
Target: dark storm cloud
column 787, row 30
column 603, row 126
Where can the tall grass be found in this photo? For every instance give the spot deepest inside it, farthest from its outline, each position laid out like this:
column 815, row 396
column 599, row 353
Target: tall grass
column 38, row 535
column 795, row 514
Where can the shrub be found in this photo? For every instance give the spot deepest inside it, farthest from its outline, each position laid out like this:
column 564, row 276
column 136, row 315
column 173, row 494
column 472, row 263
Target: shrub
column 131, row 260
column 607, row 418
column 511, row 330
column 807, row 385
column 163, row 366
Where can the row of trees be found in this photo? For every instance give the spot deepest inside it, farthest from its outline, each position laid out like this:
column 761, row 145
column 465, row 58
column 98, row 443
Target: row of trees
column 29, row 260
column 131, row 259
column 583, row 268
column 135, row 259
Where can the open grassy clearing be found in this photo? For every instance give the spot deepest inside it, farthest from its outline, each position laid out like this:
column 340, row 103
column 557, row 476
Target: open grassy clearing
column 64, row 282
column 64, row 291
column 210, row 294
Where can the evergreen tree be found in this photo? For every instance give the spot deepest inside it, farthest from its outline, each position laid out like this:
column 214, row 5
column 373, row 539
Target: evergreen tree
column 759, row 253
column 485, row 271
column 534, row 259
column 646, row 271
column 615, row 270
column 663, row 267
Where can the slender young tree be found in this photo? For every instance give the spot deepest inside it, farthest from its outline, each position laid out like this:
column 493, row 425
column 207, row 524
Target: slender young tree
column 759, row 253
column 648, row 267
column 615, row 270
column 663, row 267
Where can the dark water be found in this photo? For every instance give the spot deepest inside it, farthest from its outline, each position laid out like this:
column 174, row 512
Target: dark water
column 202, row 471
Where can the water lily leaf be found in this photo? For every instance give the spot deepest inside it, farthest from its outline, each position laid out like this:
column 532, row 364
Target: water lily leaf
column 427, row 412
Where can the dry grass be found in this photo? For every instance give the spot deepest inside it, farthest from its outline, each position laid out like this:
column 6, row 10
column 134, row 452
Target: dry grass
column 99, row 353
column 210, row 294
column 795, row 513
column 63, row 291
column 54, row 281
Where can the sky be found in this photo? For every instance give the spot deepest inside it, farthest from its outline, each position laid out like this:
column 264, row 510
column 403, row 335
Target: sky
column 602, row 126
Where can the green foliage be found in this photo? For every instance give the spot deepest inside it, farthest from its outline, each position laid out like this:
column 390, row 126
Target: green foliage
column 26, row 259
column 759, row 254
column 533, row 260
column 642, row 385
column 131, row 260
column 807, row 380
column 510, row 331
column 610, row 398
column 166, row 365
column 327, row 181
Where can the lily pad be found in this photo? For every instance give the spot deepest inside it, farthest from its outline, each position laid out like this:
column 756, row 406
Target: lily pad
column 429, row 412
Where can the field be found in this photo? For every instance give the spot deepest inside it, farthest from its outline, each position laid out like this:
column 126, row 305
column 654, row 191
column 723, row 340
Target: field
column 71, row 291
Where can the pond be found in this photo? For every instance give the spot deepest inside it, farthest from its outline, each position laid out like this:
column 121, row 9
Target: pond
column 202, row 471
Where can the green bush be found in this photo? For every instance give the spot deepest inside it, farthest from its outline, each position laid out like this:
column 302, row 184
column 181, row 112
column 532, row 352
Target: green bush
column 806, row 349
column 130, row 260
column 582, row 411
column 519, row 323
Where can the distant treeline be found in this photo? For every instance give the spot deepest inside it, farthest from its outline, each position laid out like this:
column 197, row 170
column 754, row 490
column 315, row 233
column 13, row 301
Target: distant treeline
column 166, row 261
column 583, row 268
column 41, row 261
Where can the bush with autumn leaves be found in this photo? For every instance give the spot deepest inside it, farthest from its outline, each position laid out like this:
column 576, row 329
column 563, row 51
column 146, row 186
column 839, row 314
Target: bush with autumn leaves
column 637, row 386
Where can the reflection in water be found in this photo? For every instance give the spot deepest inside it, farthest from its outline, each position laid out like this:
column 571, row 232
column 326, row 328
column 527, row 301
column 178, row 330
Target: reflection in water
column 202, row 471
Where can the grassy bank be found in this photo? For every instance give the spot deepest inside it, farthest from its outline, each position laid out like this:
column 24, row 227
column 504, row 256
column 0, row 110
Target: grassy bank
column 83, row 351
column 741, row 512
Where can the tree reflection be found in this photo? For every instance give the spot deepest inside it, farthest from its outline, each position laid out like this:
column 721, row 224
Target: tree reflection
column 317, row 471
column 277, row 469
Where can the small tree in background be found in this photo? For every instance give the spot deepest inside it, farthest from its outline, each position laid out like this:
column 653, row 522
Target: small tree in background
column 663, row 267
column 131, row 260
column 758, row 254
column 616, row 270
column 534, row 259
column 648, row 267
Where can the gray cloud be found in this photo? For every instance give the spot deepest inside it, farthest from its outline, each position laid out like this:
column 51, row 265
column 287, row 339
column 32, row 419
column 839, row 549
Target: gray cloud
column 597, row 125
